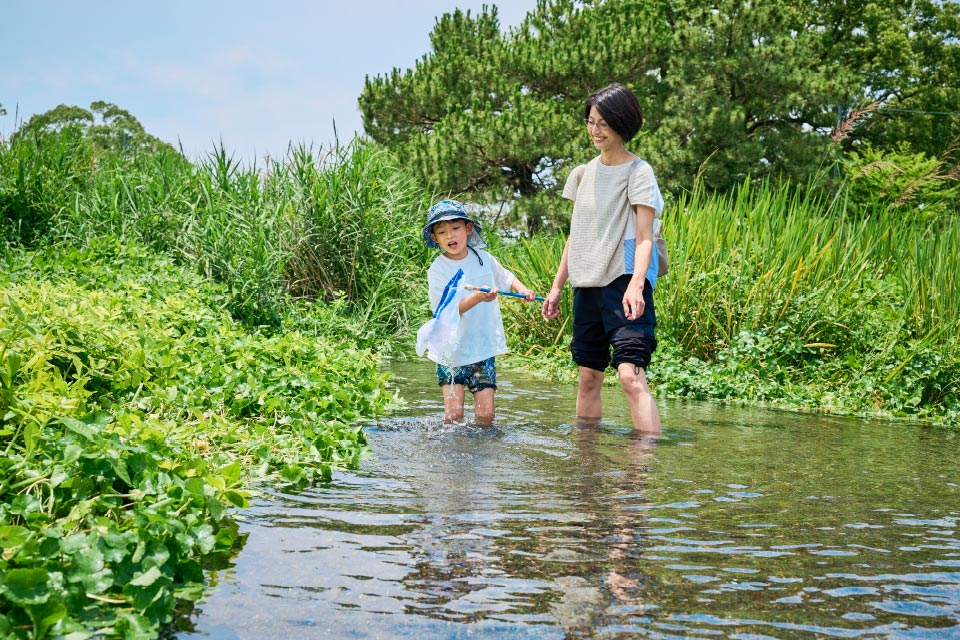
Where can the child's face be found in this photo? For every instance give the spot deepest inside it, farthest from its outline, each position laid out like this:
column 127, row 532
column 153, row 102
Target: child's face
column 452, row 235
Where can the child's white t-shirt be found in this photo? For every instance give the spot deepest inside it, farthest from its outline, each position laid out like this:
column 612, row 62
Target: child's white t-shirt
column 480, row 333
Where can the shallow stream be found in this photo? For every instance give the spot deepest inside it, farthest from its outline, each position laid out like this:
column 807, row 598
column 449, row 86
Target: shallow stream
column 735, row 523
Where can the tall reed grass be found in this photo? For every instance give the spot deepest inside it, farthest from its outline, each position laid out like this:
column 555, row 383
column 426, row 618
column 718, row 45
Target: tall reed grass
column 40, row 177
column 865, row 310
column 775, row 294
column 341, row 225
column 534, row 261
column 355, row 232
column 764, row 255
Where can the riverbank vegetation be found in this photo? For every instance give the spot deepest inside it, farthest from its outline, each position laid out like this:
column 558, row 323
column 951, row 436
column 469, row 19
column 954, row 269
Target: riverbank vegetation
column 136, row 414
column 175, row 331
column 172, row 334
column 783, row 299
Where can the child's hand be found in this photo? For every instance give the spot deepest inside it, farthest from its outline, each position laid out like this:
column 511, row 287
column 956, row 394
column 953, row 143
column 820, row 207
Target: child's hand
column 487, row 296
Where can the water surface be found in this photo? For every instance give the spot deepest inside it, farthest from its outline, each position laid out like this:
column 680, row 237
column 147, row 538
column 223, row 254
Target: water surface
column 735, row 523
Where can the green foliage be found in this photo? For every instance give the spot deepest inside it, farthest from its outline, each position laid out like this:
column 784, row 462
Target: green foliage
column 747, row 93
column 133, row 416
column 343, row 226
column 783, row 298
column 729, row 90
column 39, row 179
column 108, row 127
column 900, row 184
column 461, row 120
column 356, row 232
column 906, row 56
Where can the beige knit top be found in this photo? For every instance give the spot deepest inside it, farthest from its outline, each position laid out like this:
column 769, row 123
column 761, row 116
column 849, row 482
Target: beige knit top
column 604, row 219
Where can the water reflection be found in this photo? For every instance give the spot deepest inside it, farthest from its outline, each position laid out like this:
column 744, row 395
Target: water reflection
column 734, row 523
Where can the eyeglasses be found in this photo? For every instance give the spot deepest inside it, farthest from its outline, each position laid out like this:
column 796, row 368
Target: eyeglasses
column 602, row 126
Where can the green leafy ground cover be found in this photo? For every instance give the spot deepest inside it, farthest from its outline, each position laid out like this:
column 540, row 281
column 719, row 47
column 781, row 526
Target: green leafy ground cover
column 135, row 414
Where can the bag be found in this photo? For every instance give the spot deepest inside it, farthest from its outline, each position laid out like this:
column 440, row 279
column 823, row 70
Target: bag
column 663, row 260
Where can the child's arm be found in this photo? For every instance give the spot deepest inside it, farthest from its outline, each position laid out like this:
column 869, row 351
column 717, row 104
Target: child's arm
column 505, row 280
column 475, row 298
column 519, row 287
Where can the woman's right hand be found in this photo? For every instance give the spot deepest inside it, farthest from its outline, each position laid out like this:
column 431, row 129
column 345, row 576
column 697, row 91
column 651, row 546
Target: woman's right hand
column 551, row 306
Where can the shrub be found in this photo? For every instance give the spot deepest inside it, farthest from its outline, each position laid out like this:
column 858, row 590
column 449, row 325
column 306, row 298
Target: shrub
column 901, row 184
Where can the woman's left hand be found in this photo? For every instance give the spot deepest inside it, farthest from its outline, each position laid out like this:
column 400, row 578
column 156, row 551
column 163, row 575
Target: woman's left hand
column 633, row 304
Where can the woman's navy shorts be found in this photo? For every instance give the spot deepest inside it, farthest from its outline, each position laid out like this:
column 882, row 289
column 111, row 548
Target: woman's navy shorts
column 599, row 323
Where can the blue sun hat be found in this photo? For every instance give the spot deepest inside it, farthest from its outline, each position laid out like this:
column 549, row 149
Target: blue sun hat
column 451, row 210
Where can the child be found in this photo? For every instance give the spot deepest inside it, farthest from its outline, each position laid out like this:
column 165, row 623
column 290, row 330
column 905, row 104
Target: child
column 468, row 360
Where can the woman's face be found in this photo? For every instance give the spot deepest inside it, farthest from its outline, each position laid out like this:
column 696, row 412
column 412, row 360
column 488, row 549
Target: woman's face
column 603, row 136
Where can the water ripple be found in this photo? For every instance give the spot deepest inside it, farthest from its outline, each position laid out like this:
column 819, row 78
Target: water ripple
column 735, row 523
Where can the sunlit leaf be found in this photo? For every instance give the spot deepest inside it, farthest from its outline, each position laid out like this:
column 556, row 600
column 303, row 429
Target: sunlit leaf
column 26, row 586
column 146, row 578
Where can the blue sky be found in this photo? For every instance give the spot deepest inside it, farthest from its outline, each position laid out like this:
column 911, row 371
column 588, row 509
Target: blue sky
column 254, row 75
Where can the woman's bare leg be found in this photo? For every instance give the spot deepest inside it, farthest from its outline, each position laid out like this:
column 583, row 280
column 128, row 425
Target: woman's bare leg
column 589, row 403
column 643, row 407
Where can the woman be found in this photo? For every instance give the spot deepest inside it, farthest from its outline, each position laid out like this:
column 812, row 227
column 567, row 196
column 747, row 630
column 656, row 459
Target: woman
column 611, row 261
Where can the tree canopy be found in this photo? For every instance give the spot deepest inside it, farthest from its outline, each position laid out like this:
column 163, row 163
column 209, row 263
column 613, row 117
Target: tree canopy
column 729, row 88
column 107, row 126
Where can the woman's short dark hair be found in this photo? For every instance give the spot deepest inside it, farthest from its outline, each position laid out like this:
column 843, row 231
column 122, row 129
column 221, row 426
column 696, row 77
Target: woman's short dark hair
column 619, row 107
